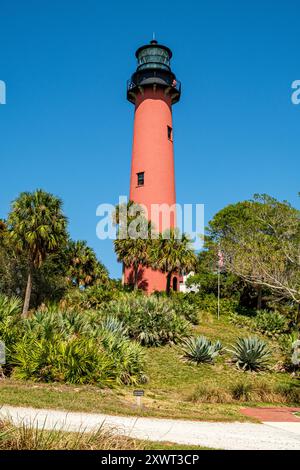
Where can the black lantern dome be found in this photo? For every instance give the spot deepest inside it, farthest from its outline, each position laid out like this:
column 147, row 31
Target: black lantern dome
column 153, row 69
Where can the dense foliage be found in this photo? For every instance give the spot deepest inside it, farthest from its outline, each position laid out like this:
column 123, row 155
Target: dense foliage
column 80, row 326
column 152, row 321
column 69, row 347
column 260, row 242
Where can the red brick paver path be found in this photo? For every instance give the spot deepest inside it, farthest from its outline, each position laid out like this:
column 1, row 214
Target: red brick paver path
column 283, row 414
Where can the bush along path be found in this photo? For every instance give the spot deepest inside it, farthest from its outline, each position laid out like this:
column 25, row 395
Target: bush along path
column 230, row 436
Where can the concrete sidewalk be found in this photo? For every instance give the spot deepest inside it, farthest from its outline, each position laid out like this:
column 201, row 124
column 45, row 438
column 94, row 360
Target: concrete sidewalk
column 235, row 436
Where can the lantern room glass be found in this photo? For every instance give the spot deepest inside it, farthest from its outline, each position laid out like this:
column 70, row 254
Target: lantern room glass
column 153, row 58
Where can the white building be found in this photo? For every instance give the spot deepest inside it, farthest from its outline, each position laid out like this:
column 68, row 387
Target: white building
column 182, row 283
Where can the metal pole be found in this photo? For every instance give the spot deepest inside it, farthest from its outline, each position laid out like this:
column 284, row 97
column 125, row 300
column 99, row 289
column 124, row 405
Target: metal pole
column 218, row 290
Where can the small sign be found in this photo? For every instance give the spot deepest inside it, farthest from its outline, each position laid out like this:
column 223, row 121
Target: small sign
column 138, row 395
column 2, row 353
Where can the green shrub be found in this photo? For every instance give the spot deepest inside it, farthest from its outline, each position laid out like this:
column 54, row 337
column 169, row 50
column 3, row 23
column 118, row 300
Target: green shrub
column 128, row 356
column 43, row 325
column 11, row 326
column 77, row 347
column 79, row 360
column 75, row 361
column 200, row 349
column 271, row 324
column 209, row 304
column 114, row 325
column 150, row 320
column 184, row 306
column 251, row 354
column 242, row 321
column 10, row 317
column 93, row 297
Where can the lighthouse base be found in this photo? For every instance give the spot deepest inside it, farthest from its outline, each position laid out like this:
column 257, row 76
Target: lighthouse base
column 150, row 281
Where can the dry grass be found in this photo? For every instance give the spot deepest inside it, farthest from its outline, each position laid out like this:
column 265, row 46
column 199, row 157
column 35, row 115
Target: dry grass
column 243, row 392
column 31, row 438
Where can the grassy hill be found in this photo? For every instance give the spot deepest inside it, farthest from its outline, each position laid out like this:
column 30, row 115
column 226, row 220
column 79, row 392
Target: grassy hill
column 176, row 389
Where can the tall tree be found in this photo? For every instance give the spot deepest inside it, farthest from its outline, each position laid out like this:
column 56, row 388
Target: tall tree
column 133, row 238
column 172, row 253
column 260, row 240
column 133, row 251
column 84, row 268
column 37, row 228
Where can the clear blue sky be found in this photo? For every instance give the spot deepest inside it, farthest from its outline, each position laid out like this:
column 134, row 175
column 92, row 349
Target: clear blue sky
column 67, row 126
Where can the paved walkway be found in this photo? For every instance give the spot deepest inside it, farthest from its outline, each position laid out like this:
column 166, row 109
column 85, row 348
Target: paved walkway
column 277, row 415
column 265, row 436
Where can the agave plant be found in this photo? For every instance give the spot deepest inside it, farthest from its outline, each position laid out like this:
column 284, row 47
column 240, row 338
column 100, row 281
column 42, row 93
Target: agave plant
column 200, row 350
column 251, row 354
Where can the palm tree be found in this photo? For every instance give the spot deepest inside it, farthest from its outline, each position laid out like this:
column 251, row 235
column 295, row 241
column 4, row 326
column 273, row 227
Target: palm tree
column 171, row 253
column 84, row 268
column 134, row 253
column 132, row 243
column 37, row 227
column 3, row 227
column 125, row 209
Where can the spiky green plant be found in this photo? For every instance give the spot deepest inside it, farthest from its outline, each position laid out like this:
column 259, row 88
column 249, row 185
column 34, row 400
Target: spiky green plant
column 149, row 320
column 77, row 349
column 9, row 306
column 251, row 354
column 200, row 350
column 114, row 325
column 75, row 323
column 43, row 325
column 10, row 323
column 77, row 360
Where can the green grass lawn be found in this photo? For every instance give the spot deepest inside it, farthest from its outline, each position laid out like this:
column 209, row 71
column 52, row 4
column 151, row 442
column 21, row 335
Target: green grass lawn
column 175, row 389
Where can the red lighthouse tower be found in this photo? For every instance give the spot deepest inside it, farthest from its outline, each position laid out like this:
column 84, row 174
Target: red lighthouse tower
column 153, row 89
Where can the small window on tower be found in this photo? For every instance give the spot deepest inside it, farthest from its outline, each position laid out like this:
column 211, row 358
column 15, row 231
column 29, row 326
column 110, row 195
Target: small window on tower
column 170, row 133
column 140, row 179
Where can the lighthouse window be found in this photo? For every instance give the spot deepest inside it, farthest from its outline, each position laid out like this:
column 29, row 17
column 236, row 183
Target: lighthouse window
column 170, row 132
column 140, row 179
